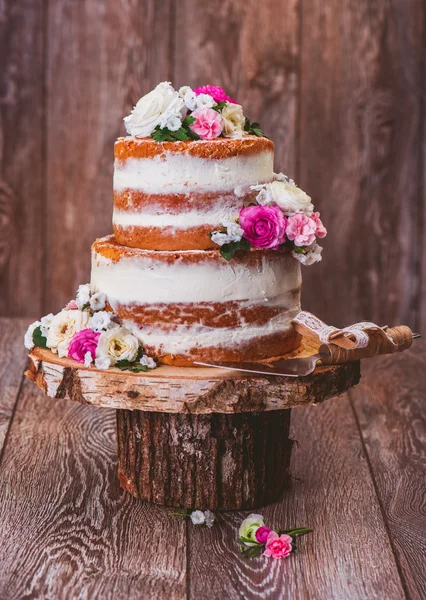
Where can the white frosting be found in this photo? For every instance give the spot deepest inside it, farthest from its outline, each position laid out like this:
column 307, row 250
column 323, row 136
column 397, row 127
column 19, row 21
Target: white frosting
column 145, row 280
column 178, row 173
column 183, row 338
column 183, row 220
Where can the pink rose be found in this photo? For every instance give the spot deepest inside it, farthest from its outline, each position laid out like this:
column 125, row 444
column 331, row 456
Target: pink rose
column 301, row 229
column 216, row 92
column 262, row 534
column 278, row 546
column 208, row 123
column 72, row 305
column 263, row 226
column 82, row 342
column 321, row 230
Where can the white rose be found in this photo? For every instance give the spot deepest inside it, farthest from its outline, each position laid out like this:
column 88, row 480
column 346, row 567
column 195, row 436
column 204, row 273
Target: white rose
column 197, row 517
column 311, row 257
column 189, row 97
column 155, row 108
column 97, row 301
column 117, row 344
column 285, row 194
column 147, row 361
column 63, row 327
column 28, row 337
column 83, row 295
column 204, row 101
column 233, row 121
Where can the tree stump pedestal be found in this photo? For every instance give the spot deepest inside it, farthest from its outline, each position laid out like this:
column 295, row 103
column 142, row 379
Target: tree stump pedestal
column 197, row 437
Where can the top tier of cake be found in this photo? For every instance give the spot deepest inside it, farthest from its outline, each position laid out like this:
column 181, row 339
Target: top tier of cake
column 171, row 196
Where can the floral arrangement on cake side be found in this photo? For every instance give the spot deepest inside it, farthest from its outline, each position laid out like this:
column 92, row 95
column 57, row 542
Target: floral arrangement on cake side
column 281, row 215
column 90, row 334
column 204, row 113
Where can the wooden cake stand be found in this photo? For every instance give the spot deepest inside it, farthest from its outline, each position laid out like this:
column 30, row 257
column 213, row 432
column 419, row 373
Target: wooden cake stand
column 197, row 437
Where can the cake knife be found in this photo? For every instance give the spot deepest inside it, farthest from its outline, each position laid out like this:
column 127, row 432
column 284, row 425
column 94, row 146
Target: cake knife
column 329, row 354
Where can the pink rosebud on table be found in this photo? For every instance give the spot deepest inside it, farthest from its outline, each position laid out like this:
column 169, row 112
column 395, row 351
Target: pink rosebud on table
column 262, row 534
column 216, row 92
column 208, row 123
column 82, row 342
column 278, row 546
column 321, row 230
column 301, row 229
column 263, row 226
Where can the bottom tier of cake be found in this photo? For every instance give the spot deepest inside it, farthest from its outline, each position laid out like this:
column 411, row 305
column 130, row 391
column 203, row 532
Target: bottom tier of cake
column 186, row 306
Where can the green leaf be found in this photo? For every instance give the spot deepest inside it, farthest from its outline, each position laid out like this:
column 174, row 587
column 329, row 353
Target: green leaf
column 296, row 531
column 228, row 250
column 244, row 540
column 300, row 249
column 180, row 134
column 188, row 120
column 251, row 552
column 191, row 134
column 125, row 365
column 39, row 339
column 219, row 106
column 253, row 128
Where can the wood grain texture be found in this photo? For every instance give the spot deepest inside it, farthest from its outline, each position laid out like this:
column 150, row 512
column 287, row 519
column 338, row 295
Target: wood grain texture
column 360, row 156
column 102, row 57
column 22, row 142
column 218, row 461
column 348, row 556
column 390, row 408
column 68, row 530
column 185, row 390
column 253, row 52
column 13, row 360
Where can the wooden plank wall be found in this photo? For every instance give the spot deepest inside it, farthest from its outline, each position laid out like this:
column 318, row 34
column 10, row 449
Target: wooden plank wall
column 338, row 85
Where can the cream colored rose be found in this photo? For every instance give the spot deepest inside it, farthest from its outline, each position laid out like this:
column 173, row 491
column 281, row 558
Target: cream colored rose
column 159, row 107
column 233, row 121
column 117, row 344
column 287, row 196
column 63, row 327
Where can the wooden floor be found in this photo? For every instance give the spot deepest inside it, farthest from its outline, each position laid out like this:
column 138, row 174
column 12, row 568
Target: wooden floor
column 67, row 530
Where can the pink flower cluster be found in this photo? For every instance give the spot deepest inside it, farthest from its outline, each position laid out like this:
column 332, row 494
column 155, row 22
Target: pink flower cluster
column 277, row 546
column 267, row 227
column 216, row 92
column 82, row 342
column 208, row 123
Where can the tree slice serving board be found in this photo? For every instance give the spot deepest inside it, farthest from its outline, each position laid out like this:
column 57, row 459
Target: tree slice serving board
column 196, row 390
column 197, row 437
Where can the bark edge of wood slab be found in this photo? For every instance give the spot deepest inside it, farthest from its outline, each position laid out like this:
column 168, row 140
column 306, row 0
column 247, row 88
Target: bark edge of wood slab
column 185, row 389
column 217, row 461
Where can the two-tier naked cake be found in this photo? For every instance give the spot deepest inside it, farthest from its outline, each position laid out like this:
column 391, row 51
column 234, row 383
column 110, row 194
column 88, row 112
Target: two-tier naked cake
column 204, row 263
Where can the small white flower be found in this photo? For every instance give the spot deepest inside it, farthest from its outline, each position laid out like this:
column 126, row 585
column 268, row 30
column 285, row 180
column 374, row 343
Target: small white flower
column 28, row 338
column 88, row 359
column 154, row 109
column 209, row 517
column 45, row 324
column 234, row 233
column 311, row 257
column 63, row 327
column 220, row 238
column 197, row 517
column 173, row 123
column 233, row 121
column 147, row 361
column 97, row 301
column 100, row 320
column 189, row 97
column 103, row 363
column 204, row 101
column 117, row 344
column 83, row 295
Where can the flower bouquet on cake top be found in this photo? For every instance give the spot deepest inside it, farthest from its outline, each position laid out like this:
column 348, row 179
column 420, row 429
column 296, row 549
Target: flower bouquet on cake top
column 204, row 262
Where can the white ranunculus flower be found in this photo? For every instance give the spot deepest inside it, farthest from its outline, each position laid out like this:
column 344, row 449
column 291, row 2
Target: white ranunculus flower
column 204, row 101
column 103, row 363
column 233, row 121
column 83, row 295
column 286, row 195
column 155, row 108
column 189, row 97
column 147, row 361
column 28, row 337
column 117, row 344
column 249, row 526
column 63, row 327
column 197, row 517
column 311, row 257
column 97, row 301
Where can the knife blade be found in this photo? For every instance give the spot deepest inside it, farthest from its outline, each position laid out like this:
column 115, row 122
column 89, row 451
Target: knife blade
column 290, row 367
